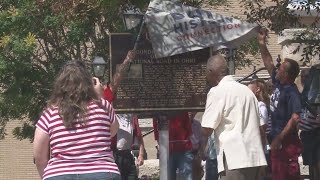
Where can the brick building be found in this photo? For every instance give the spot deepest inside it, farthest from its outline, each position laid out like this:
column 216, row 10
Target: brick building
column 16, row 162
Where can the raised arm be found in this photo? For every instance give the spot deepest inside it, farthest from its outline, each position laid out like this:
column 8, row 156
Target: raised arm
column 265, row 54
column 118, row 76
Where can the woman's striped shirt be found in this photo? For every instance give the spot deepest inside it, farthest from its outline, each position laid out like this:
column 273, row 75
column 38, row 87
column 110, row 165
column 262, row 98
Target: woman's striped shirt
column 83, row 149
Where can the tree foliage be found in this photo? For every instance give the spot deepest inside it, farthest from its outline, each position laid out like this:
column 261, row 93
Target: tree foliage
column 36, row 38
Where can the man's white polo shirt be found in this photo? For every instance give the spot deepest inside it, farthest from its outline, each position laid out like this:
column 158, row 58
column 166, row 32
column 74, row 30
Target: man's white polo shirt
column 232, row 111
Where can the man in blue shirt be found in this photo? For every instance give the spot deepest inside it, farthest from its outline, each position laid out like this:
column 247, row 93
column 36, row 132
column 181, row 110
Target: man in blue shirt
column 285, row 108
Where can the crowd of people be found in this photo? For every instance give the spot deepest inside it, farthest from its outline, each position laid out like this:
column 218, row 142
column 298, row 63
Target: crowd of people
column 247, row 132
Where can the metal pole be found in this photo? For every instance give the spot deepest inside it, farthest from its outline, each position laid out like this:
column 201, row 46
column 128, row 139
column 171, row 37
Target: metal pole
column 164, row 146
column 231, row 53
column 137, row 39
column 139, row 35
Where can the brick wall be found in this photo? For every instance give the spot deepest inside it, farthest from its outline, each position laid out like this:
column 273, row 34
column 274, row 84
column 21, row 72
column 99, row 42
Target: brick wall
column 16, row 159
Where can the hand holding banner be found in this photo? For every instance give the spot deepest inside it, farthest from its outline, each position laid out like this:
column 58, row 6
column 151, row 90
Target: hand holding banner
column 175, row 29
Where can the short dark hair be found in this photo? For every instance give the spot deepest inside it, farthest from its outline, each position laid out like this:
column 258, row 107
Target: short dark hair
column 292, row 68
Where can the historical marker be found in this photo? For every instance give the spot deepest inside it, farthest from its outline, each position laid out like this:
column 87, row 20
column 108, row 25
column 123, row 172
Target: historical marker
column 173, row 83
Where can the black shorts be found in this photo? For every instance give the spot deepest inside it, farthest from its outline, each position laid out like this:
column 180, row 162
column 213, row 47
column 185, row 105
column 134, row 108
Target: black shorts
column 311, row 146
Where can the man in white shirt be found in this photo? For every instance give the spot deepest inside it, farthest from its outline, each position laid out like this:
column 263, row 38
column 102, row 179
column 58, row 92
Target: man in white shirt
column 232, row 112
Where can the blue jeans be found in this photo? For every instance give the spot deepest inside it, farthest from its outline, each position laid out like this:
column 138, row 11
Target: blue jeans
column 88, row 176
column 183, row 162
column 212, row 169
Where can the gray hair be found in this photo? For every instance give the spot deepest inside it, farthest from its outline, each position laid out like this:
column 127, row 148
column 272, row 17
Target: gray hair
column 218, row 64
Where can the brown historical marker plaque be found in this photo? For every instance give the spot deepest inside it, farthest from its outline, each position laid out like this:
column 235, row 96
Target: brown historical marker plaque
column 172, row 83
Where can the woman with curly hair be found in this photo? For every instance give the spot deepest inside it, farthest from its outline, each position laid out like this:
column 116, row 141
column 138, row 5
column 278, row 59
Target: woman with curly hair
column 73, row 135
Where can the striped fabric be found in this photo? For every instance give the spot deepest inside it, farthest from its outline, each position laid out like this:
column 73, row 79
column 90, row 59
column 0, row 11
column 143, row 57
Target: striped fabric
column 83, row 149
column 308, row 122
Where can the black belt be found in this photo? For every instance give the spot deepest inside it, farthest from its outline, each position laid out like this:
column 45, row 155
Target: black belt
column 126, row 151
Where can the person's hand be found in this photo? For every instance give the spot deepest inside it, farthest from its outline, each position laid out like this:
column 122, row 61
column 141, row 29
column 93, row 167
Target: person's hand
column 97, row 86
column 131, row 55
column 191, row 115
column 276, row 143
column 158, row 150
column 140, row 160
column 262, row 35
column 201, row 153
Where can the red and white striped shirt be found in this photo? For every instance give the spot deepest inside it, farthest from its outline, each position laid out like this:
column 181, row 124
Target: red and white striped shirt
column 83, row 149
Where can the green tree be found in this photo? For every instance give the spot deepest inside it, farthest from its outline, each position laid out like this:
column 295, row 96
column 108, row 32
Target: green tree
column 36, row 38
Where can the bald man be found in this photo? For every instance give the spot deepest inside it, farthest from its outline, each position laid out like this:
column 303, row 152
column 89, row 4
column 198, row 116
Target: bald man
column 232, row 113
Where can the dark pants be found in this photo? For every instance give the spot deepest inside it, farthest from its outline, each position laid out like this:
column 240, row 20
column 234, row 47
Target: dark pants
column 311, row 151
column 212, row 169
column 311, row 142
column 126, row 164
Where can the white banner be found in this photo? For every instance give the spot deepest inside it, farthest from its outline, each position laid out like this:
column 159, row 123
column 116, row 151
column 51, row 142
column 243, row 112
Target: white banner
column 174, row 29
